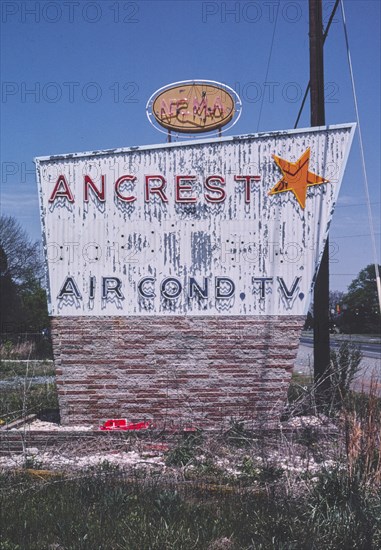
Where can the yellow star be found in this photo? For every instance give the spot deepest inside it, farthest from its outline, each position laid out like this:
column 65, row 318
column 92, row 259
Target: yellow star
column 296, row 177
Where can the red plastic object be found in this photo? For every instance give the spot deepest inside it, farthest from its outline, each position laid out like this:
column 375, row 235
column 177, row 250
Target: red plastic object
column 122, row 424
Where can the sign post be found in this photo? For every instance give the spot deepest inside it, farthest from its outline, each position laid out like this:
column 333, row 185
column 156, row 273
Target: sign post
column 321, row 291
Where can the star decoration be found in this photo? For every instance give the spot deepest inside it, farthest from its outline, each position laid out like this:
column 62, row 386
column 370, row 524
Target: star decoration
column 296, row 177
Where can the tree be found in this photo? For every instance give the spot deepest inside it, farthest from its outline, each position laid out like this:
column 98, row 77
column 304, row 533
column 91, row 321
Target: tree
column 360, row 304
column 35, row 307
column 335, row 299
column 10, row 304
column 3, row 262
column 22, row 300
column 20, row 255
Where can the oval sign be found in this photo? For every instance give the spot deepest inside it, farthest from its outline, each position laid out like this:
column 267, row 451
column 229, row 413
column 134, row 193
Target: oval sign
column 194, row 106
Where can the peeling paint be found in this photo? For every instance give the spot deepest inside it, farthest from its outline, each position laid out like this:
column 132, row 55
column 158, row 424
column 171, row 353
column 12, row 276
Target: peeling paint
column 247, row 235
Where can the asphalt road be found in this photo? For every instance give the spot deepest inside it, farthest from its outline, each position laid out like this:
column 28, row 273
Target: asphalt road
column 370, row 366
column 370, row 347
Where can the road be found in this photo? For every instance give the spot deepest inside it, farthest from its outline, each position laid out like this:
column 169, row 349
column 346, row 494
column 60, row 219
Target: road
column 370, row 346
column 370, row 366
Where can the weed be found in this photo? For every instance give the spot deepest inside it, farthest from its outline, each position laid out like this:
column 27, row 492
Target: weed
column 107, row 467
column 336, row 507
column 265, row 473
column 345, row 514
column 19, row 401
column 15, row 368
column 7, row 545
column 270, row 473
column 114, row 511
column 181, row 455
column 237, row 435
column 22, row 350
column 185, row 452
column 207, row 470
column 308, row 436
column 6, row 349
column 31, row 462
column 343, row 367
column 363, row 439
column 300, row 398
column 250, row 471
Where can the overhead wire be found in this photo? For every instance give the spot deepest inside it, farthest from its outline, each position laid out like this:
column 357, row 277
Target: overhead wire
column 325, row 34
column 352, row 236
column 366, row 184
column 356, row 204
column 268, row 66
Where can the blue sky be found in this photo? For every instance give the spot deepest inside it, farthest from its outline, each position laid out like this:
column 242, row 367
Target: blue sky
column 77, row 75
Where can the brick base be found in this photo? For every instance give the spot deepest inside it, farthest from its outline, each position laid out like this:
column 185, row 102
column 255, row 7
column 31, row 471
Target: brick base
column 174, row 370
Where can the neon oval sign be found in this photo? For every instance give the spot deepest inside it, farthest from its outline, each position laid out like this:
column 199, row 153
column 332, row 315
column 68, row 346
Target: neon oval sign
column 194, row 106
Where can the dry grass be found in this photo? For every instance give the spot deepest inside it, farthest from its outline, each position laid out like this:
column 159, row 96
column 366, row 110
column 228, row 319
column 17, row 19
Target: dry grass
column 22, row 350
column 363, row 436
column 234, row 489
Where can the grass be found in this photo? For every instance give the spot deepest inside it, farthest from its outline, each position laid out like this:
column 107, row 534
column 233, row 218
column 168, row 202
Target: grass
column 39, row 348
column 111, row 510
column 17, row 402
column 24, row 397
column 16, row 368
column 197, row 502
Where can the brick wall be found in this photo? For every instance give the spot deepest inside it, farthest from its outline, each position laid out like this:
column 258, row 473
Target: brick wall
column 174, row 370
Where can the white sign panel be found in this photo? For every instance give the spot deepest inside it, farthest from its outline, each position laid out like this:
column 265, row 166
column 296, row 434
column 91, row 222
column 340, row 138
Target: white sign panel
column 232, row 226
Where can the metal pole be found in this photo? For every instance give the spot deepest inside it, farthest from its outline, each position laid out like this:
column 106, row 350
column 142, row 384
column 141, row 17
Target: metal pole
column 321, row 289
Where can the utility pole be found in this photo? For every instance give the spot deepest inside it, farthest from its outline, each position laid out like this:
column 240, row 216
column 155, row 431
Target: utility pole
column 321, row 289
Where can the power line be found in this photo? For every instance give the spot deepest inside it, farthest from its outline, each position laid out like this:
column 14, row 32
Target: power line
column 352, row 236
column 366, row 185
column 268, row 66
column 309, row 84
column 356, row 204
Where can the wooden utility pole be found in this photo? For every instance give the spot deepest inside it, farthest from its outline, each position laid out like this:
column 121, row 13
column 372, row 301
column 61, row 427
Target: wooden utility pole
column 321, row 289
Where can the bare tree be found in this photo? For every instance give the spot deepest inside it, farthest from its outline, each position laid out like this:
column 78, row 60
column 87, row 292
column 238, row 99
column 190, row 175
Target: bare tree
column 21, row 258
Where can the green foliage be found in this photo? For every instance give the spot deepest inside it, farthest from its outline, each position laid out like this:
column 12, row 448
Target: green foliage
column 7, row 349
column 6, row 545
column 237, row 434
column 208, row 471
column 265, row 473
column 185, row 451
column 35, row 306
column 343, row 367
column 23, row 301
column 342, row 370
column 346, row 513
column 31, row 462
column 20, row 257
column 362, row 313
column 300, row 397
column 108, row 508
column 249, row 468
column 10, row 304
column 114, row 512
column 20, row 401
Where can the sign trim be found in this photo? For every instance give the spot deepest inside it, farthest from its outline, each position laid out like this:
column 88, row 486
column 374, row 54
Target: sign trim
column 186, row 133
